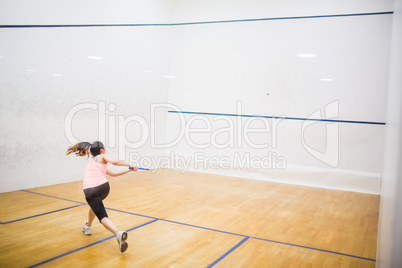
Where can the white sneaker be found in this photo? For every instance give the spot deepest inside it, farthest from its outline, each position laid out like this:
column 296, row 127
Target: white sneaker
column 86, row 229
column 121, row 240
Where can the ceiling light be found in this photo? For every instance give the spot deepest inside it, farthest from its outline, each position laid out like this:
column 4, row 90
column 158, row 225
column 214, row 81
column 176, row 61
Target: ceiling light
column 306, row 55
column 95, row 58
column 170, row 76
column 327, row 79
column 57, row 75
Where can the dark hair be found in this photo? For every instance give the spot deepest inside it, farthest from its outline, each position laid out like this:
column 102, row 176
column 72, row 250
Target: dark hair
column 96, row 147
column 86, row 148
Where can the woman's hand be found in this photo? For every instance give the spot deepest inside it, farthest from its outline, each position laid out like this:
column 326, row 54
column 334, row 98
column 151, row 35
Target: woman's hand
column 135, row 168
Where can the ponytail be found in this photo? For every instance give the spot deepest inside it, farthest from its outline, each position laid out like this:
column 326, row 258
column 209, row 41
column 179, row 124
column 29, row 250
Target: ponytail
column 80, row 149
column 86, row 149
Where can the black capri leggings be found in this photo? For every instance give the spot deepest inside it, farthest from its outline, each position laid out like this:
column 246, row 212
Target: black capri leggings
column 94, row 197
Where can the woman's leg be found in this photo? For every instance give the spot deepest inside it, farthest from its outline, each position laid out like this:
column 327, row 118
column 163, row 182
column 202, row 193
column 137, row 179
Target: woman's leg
column 91, row 217
column 121, row 235
column 109, row 225
column 94, row 197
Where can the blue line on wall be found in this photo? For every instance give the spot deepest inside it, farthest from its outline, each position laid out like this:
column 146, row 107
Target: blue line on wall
column 194, row 23
column 282, row 117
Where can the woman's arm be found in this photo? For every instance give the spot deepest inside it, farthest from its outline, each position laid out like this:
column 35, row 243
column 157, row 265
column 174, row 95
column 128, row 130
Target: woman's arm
column 115, row 174
column 114, row 162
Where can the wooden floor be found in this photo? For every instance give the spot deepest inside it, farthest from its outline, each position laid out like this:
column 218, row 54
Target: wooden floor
column 191, row 220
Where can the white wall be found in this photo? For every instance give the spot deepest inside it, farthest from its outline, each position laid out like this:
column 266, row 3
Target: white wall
column 63, row 12
column 206, row 68
column 215, row 66
column 390, row 232
column 217, row 10
column 36, row 105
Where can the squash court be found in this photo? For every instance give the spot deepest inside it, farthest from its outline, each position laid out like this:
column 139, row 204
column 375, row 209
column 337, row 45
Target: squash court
column 191, row 219
column 265, row 133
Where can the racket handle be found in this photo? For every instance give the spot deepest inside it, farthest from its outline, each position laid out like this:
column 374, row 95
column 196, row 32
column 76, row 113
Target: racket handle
column 138, row 168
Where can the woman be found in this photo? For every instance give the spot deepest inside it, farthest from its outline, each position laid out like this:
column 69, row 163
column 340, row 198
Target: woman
column 96, row 186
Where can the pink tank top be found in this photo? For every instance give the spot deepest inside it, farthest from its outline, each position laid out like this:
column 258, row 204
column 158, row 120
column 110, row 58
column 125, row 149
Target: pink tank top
column 95, row 174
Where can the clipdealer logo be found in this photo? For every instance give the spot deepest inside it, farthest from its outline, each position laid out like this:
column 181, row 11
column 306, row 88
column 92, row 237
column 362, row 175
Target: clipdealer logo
column 217, row 132
column 330, row 156
column 112, row 129
column 200, row 160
